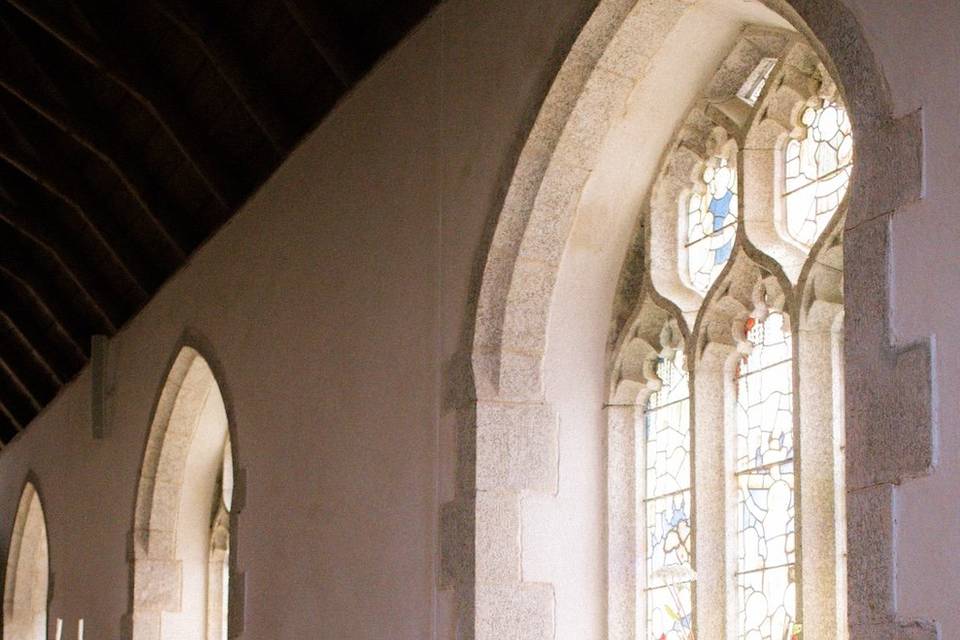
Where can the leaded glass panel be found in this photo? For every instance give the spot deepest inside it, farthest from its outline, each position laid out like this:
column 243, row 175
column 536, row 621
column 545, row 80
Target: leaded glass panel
column 669, row 612
column 667, row 503
column 711, row 225
column 766, row 490
column 767, row 605
column 766, row 520
column 817, row 171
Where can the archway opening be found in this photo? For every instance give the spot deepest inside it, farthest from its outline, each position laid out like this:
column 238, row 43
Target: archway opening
column 653, row 97
column 182, row 529
column 26, row 589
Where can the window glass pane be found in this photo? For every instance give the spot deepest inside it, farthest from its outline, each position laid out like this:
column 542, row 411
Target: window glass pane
column 711, row 225
column 667, row 503
column 766, row 505
column 766, row 518
column 817, row 171
column 767, row 609
column 668, row 449
column 668, row 539
column 669, row 614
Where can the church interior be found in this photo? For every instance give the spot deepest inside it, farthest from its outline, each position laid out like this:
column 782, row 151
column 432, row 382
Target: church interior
column 479, row 320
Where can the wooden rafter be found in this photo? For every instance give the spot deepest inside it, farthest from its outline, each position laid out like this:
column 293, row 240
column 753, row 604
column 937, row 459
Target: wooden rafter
column 327, row 38
column 43, row 314
column 66, row 189
column 13, row 333
column 98, row 143
column 217, row 45
column 41, row 251
column 142, row 87
column 19, row 385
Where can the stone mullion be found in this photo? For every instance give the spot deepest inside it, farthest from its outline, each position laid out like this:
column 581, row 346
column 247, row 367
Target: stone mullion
column 715, row 547
column 817, row 480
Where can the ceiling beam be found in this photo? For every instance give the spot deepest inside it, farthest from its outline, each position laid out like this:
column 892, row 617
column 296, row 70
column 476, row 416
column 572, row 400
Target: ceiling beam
column 9, row 419
column 73, row 196
column 40, row 250
column 61, row 297
column 325, row 33
column 143, row 87
column 17, row 404
column 52, row 227
column 19, row 385
column 217, row 43
column 97, row 142
column 37, row 317
column 14, row 334
column 47, row 350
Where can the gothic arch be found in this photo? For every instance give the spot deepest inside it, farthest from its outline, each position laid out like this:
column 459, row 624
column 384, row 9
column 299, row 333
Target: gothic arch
column 26, row 587
column 183, row 515
column 888, row 404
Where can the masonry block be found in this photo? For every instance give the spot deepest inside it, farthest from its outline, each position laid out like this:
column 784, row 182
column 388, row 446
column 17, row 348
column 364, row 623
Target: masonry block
column 515, row 612
column 159, row 585
column 517, row 447
column 498, row 537
column 871, row 564
column 896, row 631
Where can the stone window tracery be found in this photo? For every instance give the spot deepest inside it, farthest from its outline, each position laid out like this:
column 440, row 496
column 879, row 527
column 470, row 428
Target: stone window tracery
column 725, row 361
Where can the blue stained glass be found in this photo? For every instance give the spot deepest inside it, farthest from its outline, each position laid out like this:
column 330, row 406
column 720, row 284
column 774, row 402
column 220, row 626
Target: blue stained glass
column 711, row 225
column 722, row 254
column 720, row 208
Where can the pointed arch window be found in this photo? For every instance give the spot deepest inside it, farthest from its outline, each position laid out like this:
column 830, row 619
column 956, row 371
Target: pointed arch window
column 720, row 550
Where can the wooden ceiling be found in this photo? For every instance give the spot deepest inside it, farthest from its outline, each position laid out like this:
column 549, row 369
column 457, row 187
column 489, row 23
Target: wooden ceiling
column 130, row 130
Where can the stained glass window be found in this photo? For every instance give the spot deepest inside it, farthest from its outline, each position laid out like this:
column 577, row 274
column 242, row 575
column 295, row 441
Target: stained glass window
column 766, row 511
column 711, row 225
column 817, row 171
column 749, row 433
column 666, row 504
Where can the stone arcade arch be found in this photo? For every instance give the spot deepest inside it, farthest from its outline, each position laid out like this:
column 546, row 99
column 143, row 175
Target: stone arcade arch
column 182, row 521
column 553, row 224
column 26, row 587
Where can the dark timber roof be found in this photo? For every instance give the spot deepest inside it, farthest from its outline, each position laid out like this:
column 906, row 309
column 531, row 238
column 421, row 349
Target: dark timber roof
column 130, row 130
